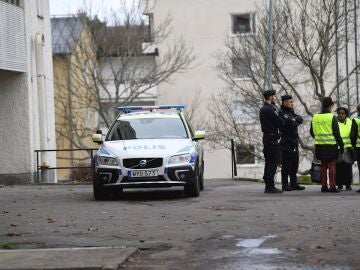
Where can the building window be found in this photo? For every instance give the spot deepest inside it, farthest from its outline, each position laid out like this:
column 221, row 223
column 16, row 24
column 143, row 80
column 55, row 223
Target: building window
column 245, row 154
column 13, row 2
column 243, row 23
column 241, row 68
column 242, row 112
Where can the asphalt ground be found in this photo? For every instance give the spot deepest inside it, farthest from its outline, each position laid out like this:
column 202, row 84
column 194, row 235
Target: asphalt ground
column 232, row 225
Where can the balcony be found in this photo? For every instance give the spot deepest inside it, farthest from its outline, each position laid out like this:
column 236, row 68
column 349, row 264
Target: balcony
column 12, row 37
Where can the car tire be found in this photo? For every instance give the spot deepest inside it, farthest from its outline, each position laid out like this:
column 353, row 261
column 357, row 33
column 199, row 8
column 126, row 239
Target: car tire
column 193, row 189
column 201, row 177
column 118, row 192
column 98, row 189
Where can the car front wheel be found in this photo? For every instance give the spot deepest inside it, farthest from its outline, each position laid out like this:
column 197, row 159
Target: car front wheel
column 98, row 189
column 193, row 189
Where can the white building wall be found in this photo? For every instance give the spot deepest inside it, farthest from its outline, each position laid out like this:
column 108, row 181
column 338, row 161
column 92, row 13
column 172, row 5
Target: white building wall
column 19, row 104
column 204, row 25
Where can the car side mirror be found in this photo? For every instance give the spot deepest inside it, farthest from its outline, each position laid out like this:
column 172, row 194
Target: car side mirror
column 97, row 138
column 199, row 135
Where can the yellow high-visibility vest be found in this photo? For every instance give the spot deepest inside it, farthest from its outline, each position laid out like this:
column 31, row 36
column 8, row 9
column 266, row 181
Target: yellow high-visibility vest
column 357, row 120
column 345, row 130
column 322, row 128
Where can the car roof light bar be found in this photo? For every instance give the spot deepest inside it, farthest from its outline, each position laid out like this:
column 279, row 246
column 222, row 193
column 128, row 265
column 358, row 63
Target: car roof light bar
column 150, row 108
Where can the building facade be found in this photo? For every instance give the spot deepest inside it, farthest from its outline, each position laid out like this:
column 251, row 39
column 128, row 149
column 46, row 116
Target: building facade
column 204, row 25
column 93, row 73
column 26, row 88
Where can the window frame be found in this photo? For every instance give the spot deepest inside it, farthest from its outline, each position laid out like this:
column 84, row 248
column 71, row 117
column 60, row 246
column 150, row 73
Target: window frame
column 233, row 67
column 234, row 105
column 252, row 23
column 255, row 163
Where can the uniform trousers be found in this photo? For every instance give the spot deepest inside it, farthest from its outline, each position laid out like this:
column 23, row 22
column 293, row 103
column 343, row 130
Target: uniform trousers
column 343, row 174
column 289, row 164
column 272, row 156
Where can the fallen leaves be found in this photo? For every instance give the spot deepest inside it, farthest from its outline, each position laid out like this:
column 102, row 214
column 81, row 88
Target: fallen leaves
column 93, row 229
column 12, row 232
column 51, row 220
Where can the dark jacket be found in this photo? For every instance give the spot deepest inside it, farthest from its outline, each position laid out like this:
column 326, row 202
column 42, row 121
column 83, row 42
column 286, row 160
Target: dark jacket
column 329, row 152
column 354, row 132
column 270, row 122
column 289, row 132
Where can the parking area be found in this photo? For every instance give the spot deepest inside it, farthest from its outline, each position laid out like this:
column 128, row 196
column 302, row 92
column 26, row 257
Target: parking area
column 231, row 220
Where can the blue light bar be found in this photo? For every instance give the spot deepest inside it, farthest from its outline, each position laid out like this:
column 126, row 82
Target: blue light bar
column 143, row 108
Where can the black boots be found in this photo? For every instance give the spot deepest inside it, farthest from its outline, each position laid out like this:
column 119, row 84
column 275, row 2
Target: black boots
column 324, row 189
column 272, row 190
column 331, row 189
column 334, row 190
column 293, row 186
column 296, row 186
column 286, row 188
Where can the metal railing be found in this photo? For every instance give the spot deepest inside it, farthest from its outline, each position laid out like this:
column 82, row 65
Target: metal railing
column 233, row 160
column 40, row 167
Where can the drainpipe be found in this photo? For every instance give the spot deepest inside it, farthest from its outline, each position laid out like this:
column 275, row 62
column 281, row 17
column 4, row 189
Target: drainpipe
column 42, row 108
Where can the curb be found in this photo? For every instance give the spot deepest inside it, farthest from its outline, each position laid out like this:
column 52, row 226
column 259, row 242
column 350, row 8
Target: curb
column 102, row 258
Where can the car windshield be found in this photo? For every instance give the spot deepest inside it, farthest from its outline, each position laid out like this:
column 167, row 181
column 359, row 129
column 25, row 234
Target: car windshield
column 148, row 128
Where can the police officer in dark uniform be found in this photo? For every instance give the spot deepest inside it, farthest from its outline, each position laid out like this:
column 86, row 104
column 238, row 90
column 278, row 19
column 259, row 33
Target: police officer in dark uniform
column 289, row 144
column 270, row 123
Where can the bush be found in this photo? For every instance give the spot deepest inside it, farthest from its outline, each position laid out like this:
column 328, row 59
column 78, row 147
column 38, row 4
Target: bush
column 81, row 174
column 7, row 245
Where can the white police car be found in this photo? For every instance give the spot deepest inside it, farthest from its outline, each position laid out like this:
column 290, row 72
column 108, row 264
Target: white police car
column 149, row 146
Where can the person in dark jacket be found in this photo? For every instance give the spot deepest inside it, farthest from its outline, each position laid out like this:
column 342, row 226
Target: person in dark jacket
column 270, row 123
column 325, row 129
column 356, row 141
column 289, row 144
column 347, row 129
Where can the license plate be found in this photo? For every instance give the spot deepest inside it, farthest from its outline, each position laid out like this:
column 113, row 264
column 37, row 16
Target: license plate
column 144, row 173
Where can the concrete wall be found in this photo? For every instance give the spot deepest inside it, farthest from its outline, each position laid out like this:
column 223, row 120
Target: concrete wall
column 19, row 105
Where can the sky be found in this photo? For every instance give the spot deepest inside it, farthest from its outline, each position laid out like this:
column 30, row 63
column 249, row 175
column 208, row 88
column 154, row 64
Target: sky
column 100, row 7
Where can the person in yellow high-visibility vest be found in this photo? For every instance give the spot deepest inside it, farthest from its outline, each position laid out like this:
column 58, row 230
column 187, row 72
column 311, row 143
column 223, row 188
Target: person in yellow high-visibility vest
column 325, row 129
column 356, row 142
column 347, row 132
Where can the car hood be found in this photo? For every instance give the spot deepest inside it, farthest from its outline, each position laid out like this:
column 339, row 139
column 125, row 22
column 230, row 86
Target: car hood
column 147, row 148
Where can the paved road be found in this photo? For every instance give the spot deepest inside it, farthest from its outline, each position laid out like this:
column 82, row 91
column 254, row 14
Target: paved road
column 232, row 225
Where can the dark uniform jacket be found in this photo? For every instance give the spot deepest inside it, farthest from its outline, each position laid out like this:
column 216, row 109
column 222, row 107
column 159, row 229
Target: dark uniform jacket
column 354, row 133
column 329, row 152
column 289, row 132
column 270, row 123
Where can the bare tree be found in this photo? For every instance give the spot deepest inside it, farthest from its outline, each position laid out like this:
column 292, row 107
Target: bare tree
column 113, row 62
column 308, row 37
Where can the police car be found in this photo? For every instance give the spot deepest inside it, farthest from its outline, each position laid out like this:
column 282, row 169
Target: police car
column 148, row 146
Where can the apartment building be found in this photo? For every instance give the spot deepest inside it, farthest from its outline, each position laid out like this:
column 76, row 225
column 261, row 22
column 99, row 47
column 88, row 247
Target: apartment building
column 26, row 89
column 204, row 25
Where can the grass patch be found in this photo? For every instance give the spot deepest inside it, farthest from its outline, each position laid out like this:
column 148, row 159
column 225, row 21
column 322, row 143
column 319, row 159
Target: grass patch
column 7, row 245
column 304, row 180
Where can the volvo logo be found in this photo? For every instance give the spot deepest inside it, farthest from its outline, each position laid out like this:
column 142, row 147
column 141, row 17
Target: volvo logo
column 143, row 163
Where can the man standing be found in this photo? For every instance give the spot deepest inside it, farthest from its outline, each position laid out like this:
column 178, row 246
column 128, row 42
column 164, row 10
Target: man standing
column 270, row 123
column 289, row 144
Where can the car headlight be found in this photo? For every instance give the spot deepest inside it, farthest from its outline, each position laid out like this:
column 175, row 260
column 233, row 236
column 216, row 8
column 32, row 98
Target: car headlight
column 108, row 161
column 185, row 158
